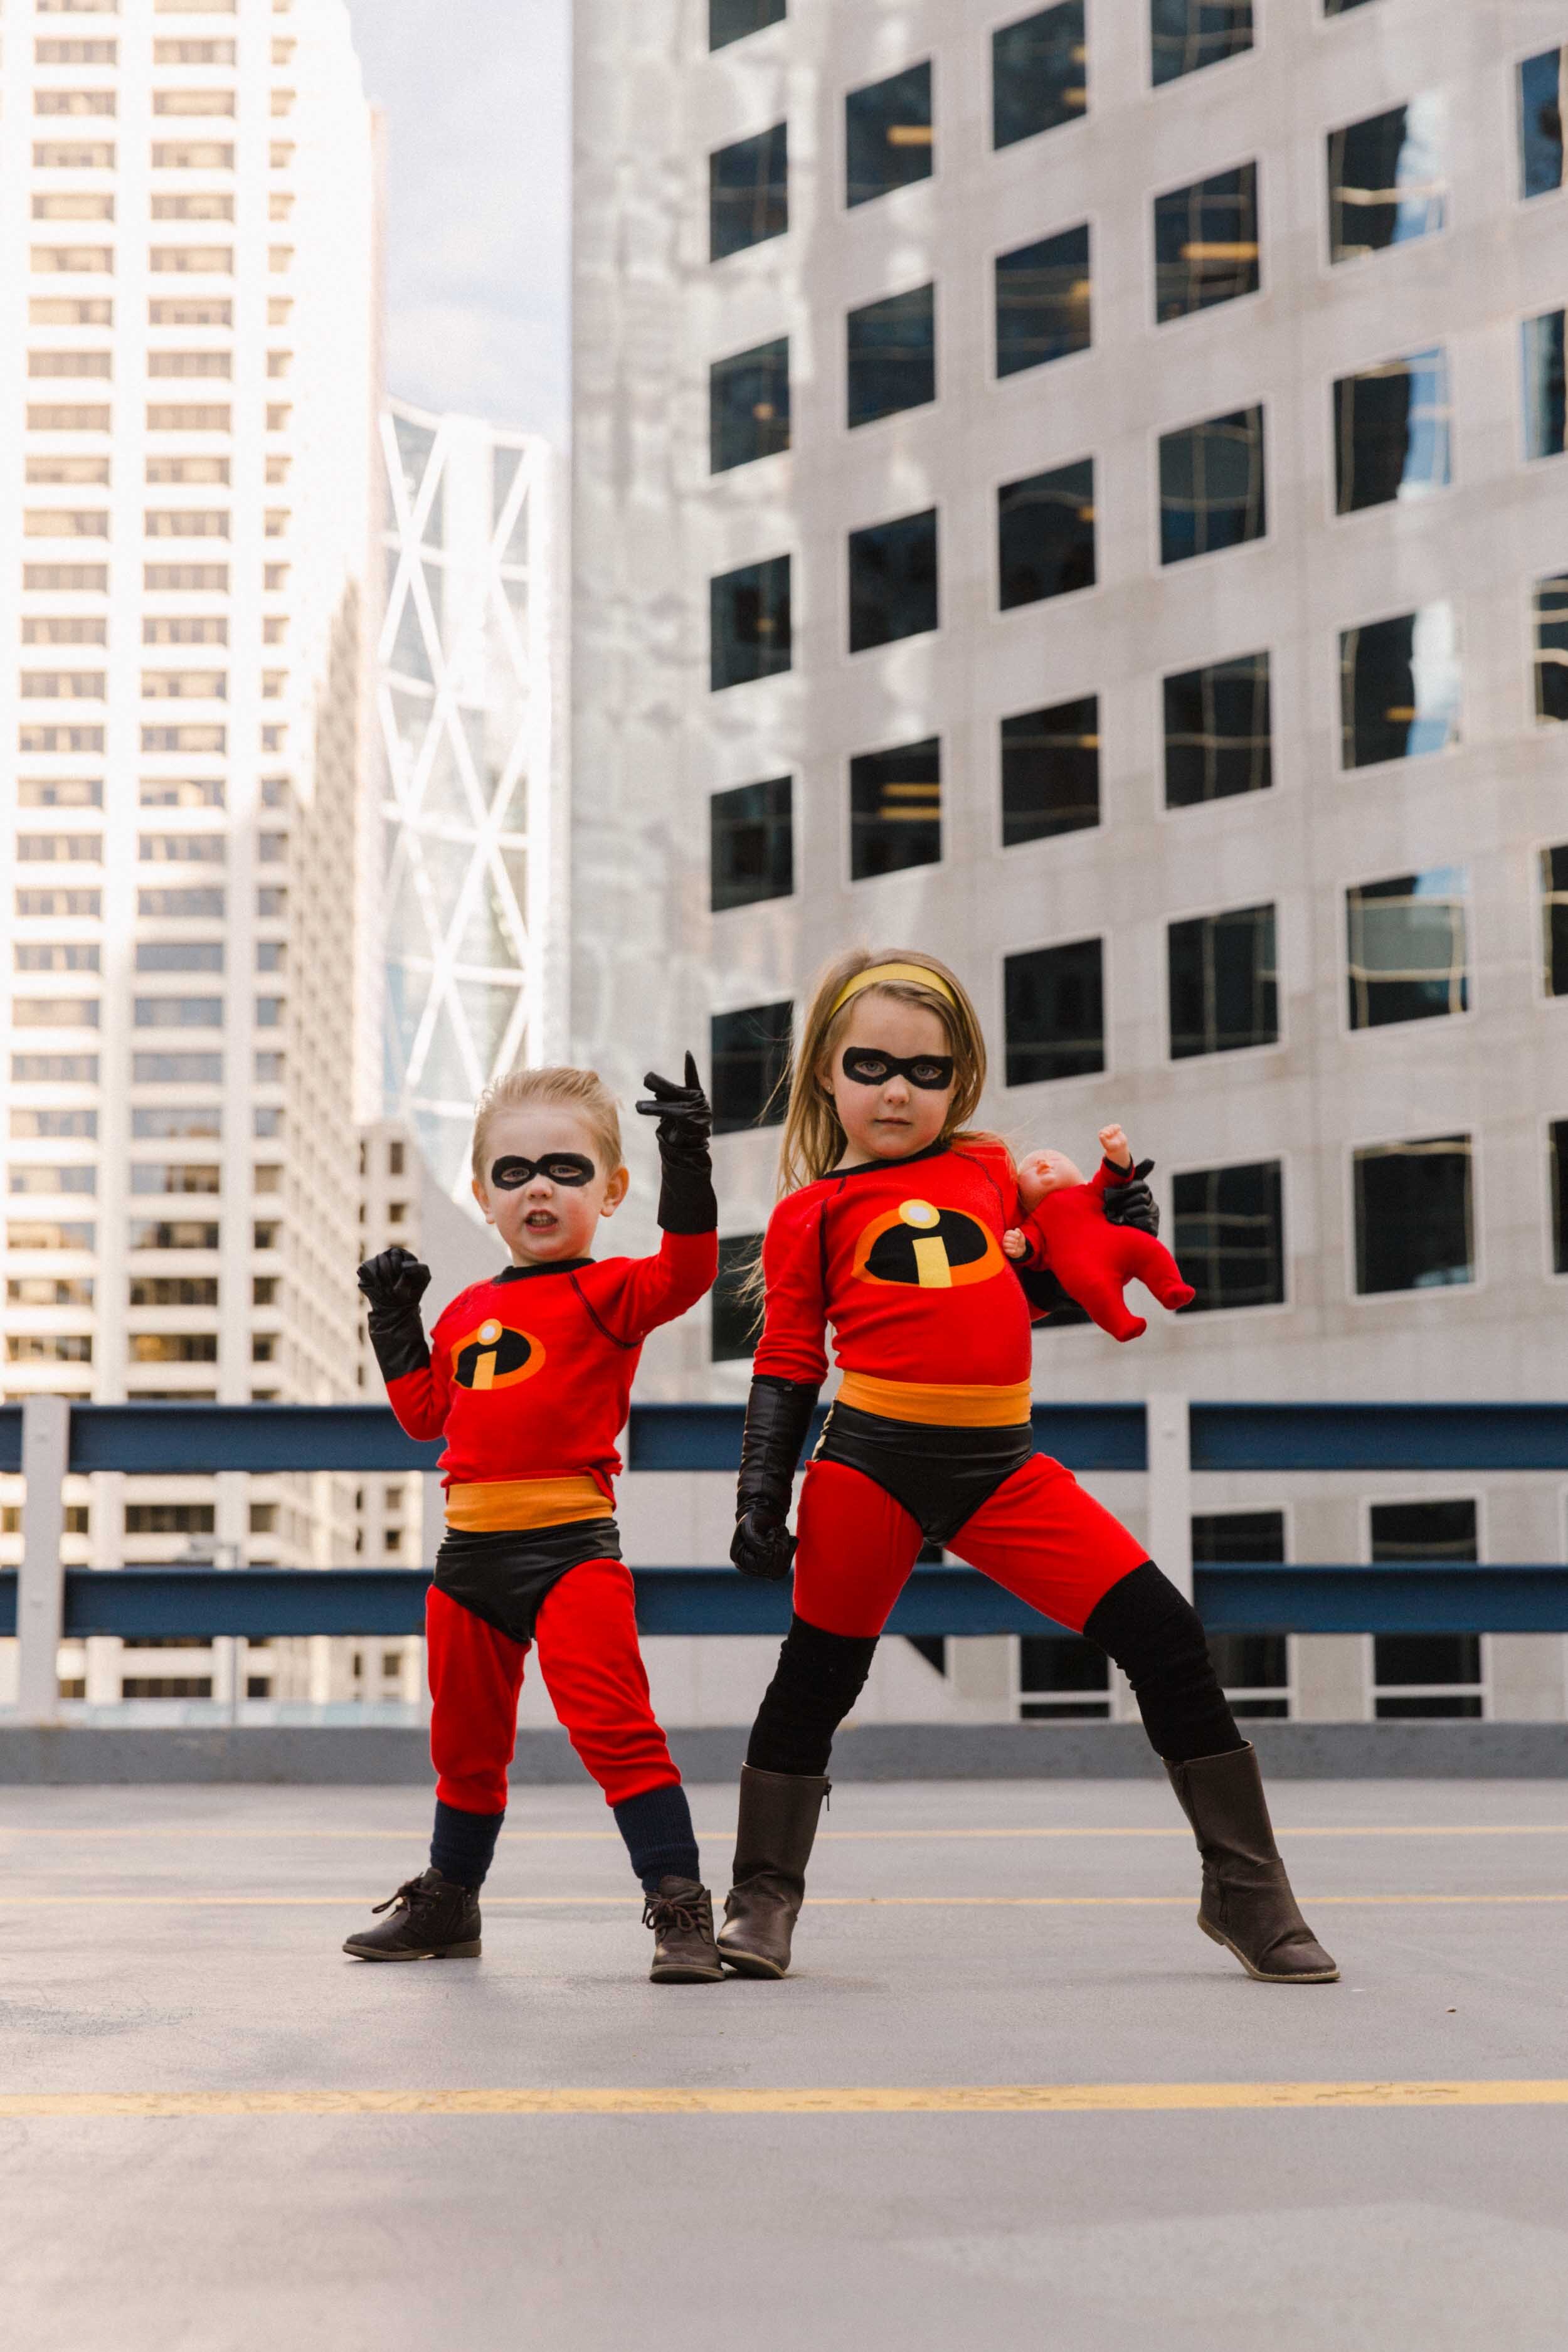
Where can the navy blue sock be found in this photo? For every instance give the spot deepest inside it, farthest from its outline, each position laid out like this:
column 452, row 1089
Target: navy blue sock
column 660, row 1839
column 463, row 1844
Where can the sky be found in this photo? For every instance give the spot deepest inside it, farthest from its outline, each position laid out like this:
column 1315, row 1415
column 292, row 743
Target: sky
column 476, row 102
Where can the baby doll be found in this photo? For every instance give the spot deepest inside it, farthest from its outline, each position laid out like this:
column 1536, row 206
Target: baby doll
column 1090, row 1257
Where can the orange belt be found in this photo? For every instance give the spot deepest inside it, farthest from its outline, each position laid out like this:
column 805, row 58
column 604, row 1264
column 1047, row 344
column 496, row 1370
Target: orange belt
column 515, row 1503
column 937, row 1405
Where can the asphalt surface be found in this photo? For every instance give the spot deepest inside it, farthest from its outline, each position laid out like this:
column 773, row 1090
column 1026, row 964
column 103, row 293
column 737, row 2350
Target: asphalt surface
column 164, row 1947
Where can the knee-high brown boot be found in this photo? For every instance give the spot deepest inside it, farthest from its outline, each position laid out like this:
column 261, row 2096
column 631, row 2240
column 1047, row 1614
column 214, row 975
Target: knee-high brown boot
column 1247, row 1903
column 779, row 1813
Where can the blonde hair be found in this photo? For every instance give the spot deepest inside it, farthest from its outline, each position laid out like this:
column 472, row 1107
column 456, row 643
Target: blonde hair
column 813, row 1141
column 582, row 1091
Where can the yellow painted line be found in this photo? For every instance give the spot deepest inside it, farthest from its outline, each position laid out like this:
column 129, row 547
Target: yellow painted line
column 946, row 2099
column 208, row 1832
column 817, row 1902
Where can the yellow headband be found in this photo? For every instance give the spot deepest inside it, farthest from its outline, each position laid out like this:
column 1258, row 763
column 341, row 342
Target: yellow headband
column 876, row 973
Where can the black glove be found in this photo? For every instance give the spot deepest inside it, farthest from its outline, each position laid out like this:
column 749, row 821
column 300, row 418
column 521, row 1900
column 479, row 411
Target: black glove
column 1048, row 1302
column 1132, row 1203
column 684, row 1115
column 395, row 1282
column 778, row 1414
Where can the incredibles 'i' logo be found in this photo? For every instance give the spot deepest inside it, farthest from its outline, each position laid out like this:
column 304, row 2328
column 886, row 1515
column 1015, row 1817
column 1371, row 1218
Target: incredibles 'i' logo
column 923, row 1247
column 494, row 1356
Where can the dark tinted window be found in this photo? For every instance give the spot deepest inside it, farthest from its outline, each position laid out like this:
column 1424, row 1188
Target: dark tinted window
column 1062, row 1681
column 1413, row 1215
column 1042, row 301
column 1399, row 687
column 1540, row 80
column 1387, row 182
column 895, row 809
column 1045, row 534
column 748, row 191
column 1229, row 1234
column 747, row 405
column 1391, row 430
column 1425, row 1531
column 1250, row 1666
column 1552, row 648
column 1211, row 486
column 1206, row 242
column 1406, row 946
column 887, row 134
column 1039, row 73
column 1557, row 1178
column 749, row 623
column 1224, row 985
column 1219, row 1536
column 1542, row 352
column 1218, row 733
column 736, row 1318
column 890, row 350
column 893, row 581
column 1055, row 1002
column 1184, row 35
column 748, row 1056
column 752, row 843
column 732, row 20
column 1554, row 918
column 1050, row 771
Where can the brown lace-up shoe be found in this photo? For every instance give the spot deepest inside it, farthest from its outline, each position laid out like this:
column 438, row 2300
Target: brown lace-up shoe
column 681, row 1917
column 433, row 1919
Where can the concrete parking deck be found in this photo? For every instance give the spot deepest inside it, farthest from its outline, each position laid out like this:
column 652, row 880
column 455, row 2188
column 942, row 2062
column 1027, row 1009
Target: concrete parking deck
column 1011, row 2097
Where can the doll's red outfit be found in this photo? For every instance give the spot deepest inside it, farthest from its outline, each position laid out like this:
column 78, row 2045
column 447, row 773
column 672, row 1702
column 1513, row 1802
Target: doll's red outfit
column 529, row 1379
column 1092, row 1259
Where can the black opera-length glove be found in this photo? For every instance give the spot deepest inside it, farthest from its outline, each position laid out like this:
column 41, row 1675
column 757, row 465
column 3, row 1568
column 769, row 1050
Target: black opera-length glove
column 1131, row 1202
column 1050, row 1302
column 395, row 1282
column 684, row 1115
column 778, row 1414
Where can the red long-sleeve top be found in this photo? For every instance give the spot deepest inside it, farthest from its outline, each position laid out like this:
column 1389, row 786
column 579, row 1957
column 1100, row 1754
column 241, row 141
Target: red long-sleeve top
column 530, row 1373
column 904, row 1259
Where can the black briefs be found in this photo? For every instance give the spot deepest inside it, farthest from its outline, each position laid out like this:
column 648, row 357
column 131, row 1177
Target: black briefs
column 502, row 1574
column 941, row 1476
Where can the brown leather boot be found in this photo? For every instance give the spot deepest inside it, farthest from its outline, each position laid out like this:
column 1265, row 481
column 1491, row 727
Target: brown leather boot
column 1247, row 1903
column 681, row 1917
column 779, row 1812
column 433, row 1919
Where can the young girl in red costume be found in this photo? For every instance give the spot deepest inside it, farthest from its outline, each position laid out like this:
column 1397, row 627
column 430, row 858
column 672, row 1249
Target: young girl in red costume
column 891, row 1227
column 528, row 1376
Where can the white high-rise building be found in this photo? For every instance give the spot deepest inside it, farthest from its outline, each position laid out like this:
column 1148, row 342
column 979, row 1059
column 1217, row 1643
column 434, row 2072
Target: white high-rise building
column 188, row 250
column 1082, row 488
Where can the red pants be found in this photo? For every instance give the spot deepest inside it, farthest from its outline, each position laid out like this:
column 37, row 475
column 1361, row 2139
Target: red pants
column 593, row 1669
column 1040, row 1536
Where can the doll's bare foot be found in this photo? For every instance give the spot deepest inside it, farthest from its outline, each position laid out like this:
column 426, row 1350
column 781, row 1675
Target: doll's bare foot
column 1115, row 1146
column 1014, row 1243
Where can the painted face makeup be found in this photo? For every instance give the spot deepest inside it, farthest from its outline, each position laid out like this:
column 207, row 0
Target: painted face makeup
column 865, row 1067
column 511, row 1174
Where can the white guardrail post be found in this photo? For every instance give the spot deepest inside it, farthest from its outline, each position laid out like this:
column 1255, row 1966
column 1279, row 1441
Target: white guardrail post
column 41, row 1586
column 1171, row 1487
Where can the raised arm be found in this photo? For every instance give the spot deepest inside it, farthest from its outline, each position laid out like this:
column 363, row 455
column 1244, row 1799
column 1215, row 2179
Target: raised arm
column 657, row 1289
column 395, row 1282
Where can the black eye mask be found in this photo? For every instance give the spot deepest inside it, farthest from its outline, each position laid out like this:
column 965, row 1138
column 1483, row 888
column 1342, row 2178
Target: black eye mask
column 511, row 1174
column 864, row 1065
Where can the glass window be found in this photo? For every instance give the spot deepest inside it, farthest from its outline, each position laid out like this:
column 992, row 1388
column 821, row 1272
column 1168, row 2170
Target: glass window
column 1050, row 771
column 1062, row 1680
column 749, row 623
column 1391, row 432
column 736, row 1317
column 1184, row 35
column 1541, row 342
column 893, row 581
column 1045, row 534
column 1253, row 1668
column 890, row 350
column 1224, row 983
column 732, row 20
column 1206, row 242
column 1407, row 947
column 888, row 135
column 1414, row 1227
column 1557, row 1180
column 1554, row 918
column 1039, row 73
column 1541, row 82
column 1218, row 732
column 1399, row 687
column 895, row 809
column 1228, row 1236
column 1043, row 301
column 1387, row 179
column 752, row 843
column 1055, row 1009
column 748, row 1057
column 1425, row 1673
column 748, row 191
column 1551, row 626
column 1212, row 485
column 747, row 405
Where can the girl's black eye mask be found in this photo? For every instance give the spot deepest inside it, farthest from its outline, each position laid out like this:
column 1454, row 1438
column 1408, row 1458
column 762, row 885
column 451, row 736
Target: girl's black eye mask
column 865, row 1067
column 511, row 1174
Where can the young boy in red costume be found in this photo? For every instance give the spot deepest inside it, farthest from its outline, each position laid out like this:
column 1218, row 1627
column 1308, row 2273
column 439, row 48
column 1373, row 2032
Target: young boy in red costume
column 528, row 1377
column 891, row 1227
